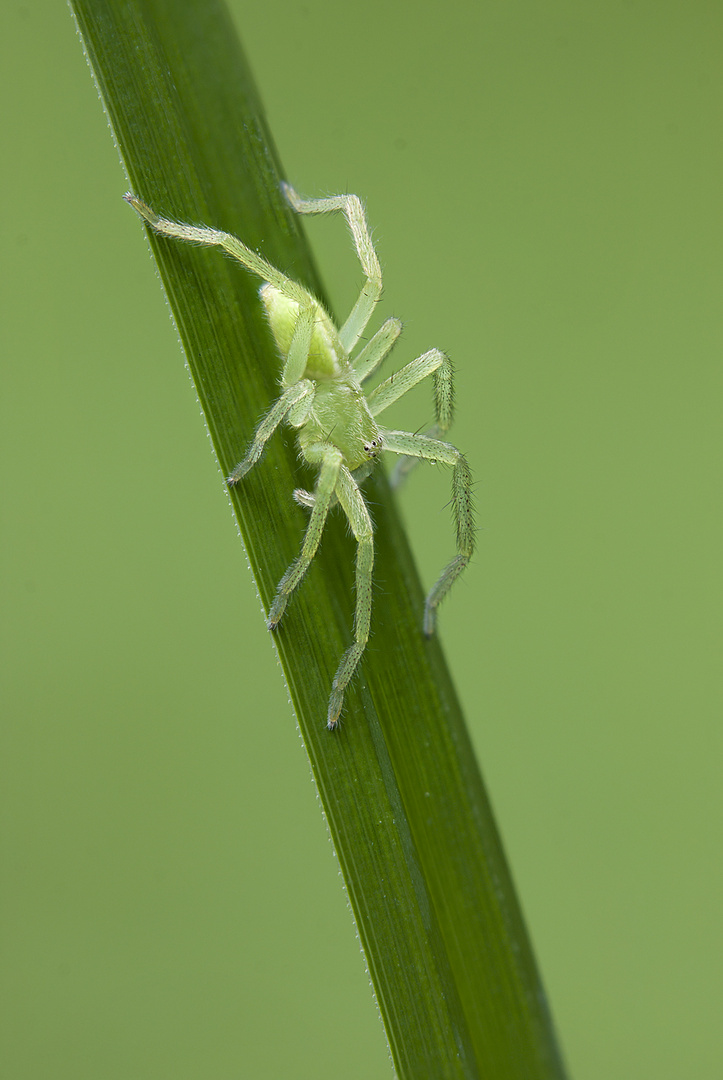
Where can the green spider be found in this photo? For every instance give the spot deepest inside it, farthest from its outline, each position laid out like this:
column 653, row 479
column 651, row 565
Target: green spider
column 336, row 422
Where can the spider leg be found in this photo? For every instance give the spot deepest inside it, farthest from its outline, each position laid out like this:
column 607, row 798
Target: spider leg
column 199, row 234
column 308, row 308
column 434, row 363
column 421, row 446
column 298, row 354
column 351, row 207
column 303, row 498
column 371, row 356
column 330, row 458
column 355, row 508
column 294, row 405
column 306, row 499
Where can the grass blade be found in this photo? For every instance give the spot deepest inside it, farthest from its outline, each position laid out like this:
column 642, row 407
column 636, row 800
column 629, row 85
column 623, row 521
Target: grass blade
column 442, row 932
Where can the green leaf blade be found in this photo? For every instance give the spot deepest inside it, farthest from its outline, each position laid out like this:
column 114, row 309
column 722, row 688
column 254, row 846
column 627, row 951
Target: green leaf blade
column 436, row 911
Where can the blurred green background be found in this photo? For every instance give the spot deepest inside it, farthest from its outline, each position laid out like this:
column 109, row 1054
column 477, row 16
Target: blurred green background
column 544, row 183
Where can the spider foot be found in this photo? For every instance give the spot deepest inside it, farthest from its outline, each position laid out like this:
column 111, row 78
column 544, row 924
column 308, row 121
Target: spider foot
column 304, row 498
column 277, row 609
column 336, row 703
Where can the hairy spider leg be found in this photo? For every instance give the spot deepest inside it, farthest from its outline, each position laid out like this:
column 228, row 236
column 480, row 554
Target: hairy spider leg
column 309, row 307
column 352, row 208
column 366, row 363
column 356, row 510
column 433, row 363
column 329, row 459
column 200, row 234
column 420, row 446
column 294, row 405
column 428, row 447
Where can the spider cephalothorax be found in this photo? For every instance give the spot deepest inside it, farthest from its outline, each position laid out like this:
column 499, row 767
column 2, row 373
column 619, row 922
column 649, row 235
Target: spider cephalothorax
column 337, row 432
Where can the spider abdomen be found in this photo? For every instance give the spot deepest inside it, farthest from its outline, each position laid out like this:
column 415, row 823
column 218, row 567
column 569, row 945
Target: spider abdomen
column 326, row 355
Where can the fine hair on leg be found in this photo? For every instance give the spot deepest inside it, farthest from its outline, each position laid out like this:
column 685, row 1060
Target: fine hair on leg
column 331, row 458
column 420, row 446
column 293, row 402
column 353, row 210
column 357, row 512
